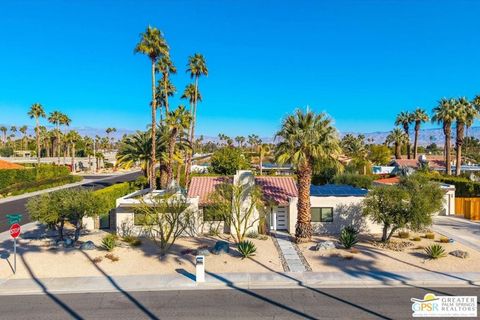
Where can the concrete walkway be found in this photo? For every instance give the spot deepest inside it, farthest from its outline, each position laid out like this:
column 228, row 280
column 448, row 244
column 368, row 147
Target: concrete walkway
column 186, row 281
column 289, row 253
column 462, row 230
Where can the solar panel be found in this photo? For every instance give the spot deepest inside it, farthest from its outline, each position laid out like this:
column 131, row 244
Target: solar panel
column 336, row 190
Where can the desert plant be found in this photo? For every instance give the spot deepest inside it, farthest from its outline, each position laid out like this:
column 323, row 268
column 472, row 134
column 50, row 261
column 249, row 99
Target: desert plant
column 132, row 241
column 97, row 259
column 430, row 235
column 354, row 251
column 348, row 237
column 444, row 239
column 263, row 237
column 247, row 248
column 109, row 242
column 417, row 238
column 112, row 257
column 252, row 235
column 404, row 234
column 435, row 251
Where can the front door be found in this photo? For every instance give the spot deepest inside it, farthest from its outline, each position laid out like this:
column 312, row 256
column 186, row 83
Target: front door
column 281, row 218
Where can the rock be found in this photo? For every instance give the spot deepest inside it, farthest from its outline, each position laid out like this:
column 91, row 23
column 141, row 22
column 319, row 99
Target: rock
column 221, row 247
column 89, row 245
column 203, row 252
column 60, row 244
column 68, row 243
column 325, row 245
column 460, row 254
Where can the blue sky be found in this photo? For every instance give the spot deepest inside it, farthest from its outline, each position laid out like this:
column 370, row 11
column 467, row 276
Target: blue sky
column 360, row 61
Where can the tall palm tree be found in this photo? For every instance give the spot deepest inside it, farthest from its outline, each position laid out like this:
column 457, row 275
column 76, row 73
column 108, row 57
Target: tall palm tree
column 263, row 151
column 444, row 113
column 36, row 112
column 398, row 138
column 23, row 130
column 160, row 94
column 465, row 115
column 13, row 130
column 240, row 140
column 55, row 118
column 355, row 148
column 404, row 119
column 306, row 139
column 419, row 116
column 4, row 129
column 197, row 67
column 65, row 122
column 166, row 67
column 177, row 123
column 73, row 138
column 153, row 44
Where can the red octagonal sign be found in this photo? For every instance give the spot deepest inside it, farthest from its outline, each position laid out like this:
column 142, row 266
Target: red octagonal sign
column 15, row 230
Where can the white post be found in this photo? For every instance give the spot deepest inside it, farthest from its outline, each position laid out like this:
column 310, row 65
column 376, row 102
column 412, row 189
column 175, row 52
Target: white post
column 14, row 255
column 200, row 268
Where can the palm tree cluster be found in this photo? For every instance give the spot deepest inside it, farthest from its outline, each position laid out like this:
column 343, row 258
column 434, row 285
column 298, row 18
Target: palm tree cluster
column 173, row 124
column 460, row 112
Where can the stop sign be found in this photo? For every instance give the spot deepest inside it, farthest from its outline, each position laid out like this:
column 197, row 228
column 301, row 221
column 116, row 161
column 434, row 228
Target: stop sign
column 15, row 230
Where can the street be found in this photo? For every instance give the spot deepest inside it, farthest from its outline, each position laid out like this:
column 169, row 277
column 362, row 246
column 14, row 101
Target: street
column 18, row 206
column 308, row 303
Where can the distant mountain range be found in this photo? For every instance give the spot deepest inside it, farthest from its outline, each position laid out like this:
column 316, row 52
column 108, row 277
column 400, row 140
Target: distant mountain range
column 426, row 136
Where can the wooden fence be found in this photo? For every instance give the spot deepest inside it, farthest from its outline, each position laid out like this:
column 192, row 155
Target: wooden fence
column 468, row 207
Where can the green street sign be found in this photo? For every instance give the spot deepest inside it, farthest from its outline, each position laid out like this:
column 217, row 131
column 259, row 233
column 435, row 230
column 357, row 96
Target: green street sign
column 14, row 218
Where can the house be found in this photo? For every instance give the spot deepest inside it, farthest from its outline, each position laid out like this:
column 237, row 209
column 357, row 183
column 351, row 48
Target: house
column 433, row 162
column 333, row 206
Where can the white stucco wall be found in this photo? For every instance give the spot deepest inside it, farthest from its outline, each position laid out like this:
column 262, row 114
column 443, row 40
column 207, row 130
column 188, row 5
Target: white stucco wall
column 346, row 211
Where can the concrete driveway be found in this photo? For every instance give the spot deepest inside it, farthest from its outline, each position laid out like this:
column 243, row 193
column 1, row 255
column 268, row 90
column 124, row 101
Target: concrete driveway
column 462, row 230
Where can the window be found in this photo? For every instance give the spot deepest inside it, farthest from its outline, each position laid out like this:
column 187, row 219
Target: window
column 322, row 214
column 210, row 213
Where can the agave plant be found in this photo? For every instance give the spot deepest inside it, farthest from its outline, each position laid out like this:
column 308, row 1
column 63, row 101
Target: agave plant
column 348, row 237
column 435, row 251
column 247, row 248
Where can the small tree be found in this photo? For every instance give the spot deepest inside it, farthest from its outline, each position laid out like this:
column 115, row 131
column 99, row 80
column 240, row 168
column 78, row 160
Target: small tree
column 379, row 155
column 164, row 218
column 410, row 204
column 228, row 160
column 240, row 206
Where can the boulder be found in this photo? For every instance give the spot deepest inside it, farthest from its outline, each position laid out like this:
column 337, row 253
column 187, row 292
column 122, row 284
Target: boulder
column 68, row 243
column 460, row 254
column 203, row 252
column 88, row 245
column 325, row 245
column 221, row 247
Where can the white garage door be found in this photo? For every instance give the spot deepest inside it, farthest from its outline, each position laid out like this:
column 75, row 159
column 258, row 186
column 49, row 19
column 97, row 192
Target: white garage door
column 281, row 218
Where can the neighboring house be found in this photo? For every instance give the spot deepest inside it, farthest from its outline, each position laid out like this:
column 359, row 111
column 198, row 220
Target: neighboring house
column 448, row 198
column 382, row 169
column 433, row 163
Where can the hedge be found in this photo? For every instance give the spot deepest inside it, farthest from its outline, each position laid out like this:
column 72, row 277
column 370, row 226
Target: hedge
column 20, row 188
column 111, row 193
column 354, row 180
column 463, row 186
column 10, row 178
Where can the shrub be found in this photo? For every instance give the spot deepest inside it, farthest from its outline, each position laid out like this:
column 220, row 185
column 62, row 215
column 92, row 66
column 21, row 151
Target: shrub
column 430, row 235
column 97, row 259
column 133, row 241
column 109, row 242
column 417, row 238
column 435, row 251
column 348, row 237
column 24, row 187
column 263, row 237
column 226, row 161
column 355, row 180
column 444, row 239
column 464, row 187
column 111, row 193
column 246, row 248
column 404, row 234
column 112, row 257
column 252, row 235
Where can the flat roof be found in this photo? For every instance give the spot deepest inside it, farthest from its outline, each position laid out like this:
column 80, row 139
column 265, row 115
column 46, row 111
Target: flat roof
column 336, row 190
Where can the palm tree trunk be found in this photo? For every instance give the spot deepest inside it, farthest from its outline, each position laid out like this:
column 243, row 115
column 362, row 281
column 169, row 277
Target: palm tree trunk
column 303, row 229
column 415, row 142
column 460, row 138
column 165, row 82
column 261, row 163
column 192, row 135
column 448, row 134
column 398, row 151
column 171, row 150
column 154, row 125
column 37, row 131
column 73, row 157
column 58, row 144
column 408, row 142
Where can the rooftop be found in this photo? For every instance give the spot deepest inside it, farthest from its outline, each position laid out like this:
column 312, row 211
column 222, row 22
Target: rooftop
column 336, row 190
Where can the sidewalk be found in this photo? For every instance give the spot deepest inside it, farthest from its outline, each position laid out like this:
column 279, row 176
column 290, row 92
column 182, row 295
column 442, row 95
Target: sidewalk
column 186, row 281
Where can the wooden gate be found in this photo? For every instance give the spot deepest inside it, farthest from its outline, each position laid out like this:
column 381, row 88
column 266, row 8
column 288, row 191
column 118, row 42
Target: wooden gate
column 468, row 207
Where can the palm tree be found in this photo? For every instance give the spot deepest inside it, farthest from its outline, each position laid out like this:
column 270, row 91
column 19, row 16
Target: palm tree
column 419, row 116
column 240, row 140
column 160, row 94
column 153, row 44
column 404, row 119
column 65, row 121
column 13, row 130
column 306, row 140
column 36, row 112
column 263, row 151
column 398, row 138
column 23, row 130
column 73, row 137
column 445, row 114
column 55, row 118
column 165, row 67
column 465, row 115
column 476, row 104
column 196, row 67
column 4, row 129
column 253, row 141
column 177, row 123
column 355, row 148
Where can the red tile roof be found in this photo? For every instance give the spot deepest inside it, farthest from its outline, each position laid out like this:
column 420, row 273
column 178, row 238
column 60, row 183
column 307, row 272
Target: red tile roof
column 5, row 165
column 388, row 181
column 276, row 189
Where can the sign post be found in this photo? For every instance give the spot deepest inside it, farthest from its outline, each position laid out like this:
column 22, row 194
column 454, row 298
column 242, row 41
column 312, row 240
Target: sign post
column 15, row 229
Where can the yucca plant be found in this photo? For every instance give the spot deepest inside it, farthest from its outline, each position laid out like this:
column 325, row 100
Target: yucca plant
column 435, row 251
column 348, row 237
column 109, row 242
column 246, row 248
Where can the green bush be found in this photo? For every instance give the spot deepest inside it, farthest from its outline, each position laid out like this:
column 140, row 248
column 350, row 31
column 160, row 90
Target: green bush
column 404, row 234
column 430, row 235
column 228, row 160
column 355, row 180
column 348, row 237
column 247, row 248
column 111, row 193
column 435, row 251
column 10, row 178
column 464, row 187
column 416, row 239
column 252, row 235
column 109, row 242
column 133, row 241
column 21, row 188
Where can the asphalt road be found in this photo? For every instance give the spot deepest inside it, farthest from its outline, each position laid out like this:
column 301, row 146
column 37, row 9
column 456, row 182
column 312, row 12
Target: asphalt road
column 18, row 206
column 310, row 303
